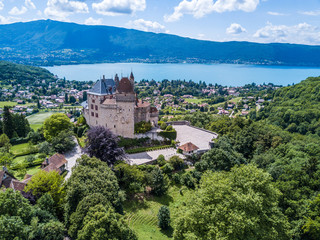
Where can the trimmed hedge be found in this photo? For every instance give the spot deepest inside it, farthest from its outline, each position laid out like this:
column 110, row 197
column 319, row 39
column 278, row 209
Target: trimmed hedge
column 172, row 135
column 145, row 149
column 16, row 141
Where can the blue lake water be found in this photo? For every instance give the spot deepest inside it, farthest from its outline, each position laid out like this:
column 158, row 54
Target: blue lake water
column 224, row 74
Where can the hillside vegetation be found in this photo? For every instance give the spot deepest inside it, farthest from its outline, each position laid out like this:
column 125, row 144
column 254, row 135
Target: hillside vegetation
column 22, row 74
column 295, row 108
column 51, row 42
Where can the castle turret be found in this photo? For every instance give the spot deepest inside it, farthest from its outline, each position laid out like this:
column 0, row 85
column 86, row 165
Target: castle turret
column 131, row 79
column 116, row 80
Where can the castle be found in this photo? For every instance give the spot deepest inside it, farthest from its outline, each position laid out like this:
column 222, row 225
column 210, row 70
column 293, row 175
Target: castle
column 114, row 104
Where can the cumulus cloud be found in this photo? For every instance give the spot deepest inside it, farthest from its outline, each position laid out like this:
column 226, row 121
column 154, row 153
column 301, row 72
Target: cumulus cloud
column 200, row 8
column 61, row 9
column 92, row 21
column 311, row 13
column 147, row 26
column 235, row 29
column 302, row 33
column 119, row 7
column 29, row 4
column 9, row 19
column 1, row 4
column 17, row 11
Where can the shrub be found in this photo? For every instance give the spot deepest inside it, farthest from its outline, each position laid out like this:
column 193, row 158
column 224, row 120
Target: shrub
column 45, row 148
column 164, row 217
column 163, row 125
column 176, row 162
column 29, row 159
column 161, row 160
column 159, row 182
column 142, row 127
column 188, row 180
column 167, row 168
column 176, row 178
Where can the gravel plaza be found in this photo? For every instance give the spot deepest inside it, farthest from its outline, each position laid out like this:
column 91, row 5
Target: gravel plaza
column 185, row 133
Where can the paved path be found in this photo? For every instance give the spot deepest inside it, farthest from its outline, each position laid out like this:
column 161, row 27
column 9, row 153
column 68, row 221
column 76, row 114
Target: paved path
column 145, row 157
column 71, row 157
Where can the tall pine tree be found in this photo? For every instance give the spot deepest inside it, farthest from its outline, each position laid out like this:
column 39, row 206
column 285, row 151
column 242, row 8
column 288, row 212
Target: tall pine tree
column 8, row 125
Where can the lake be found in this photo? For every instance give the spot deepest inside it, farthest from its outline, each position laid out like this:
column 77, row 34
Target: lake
column 224, row 74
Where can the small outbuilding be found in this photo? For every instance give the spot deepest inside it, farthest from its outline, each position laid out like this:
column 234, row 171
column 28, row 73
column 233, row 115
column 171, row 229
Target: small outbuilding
column 188, row 148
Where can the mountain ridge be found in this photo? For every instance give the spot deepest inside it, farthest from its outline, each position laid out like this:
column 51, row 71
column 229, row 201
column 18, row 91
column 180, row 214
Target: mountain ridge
column 48, row 42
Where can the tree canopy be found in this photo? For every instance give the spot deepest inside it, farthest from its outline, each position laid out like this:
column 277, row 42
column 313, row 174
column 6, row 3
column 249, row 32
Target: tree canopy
column 103, row 144
column 240, row 204
column 56, row 124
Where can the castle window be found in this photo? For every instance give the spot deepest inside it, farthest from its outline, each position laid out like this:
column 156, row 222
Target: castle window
column 92, row 114
column 96, row 107
column 93, row 100
column 91, row 106
column 97, row 115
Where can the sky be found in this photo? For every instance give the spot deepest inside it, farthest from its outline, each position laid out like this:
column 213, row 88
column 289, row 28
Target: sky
column 285, row 21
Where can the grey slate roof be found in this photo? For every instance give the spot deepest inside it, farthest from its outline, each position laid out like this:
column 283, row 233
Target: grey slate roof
column 84, row 104
column 103, row 87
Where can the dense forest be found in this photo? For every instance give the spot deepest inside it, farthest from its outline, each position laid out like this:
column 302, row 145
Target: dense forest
column 22, row 74
column 295, row 108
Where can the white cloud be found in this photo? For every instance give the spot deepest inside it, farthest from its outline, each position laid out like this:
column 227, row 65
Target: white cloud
column 302, row 33
column 147, row 26
column 9, row 19
column 29, row 4
column 92, row 21
column 311, row 13
column 61, row 9
column 276, row 14
column 200, row 8
column 118, row 7
column 1, row 4
column 235, row 29
column 17, row 11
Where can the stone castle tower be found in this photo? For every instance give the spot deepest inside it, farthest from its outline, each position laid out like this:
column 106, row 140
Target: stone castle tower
column 113, row 103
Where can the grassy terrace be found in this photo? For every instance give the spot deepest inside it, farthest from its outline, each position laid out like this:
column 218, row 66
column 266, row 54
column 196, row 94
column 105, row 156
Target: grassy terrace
column 141, row 215
column 36, row 120
column 12, row 104
column 195, row 100
column 23, row 150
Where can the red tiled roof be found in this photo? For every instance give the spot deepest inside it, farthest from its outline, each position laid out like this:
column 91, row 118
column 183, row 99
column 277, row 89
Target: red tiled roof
column 55, row 162
column 153, row 109
column 142, row 104
column 188, row 147
column 1, row 176
column 17, row 185
column 125, row 86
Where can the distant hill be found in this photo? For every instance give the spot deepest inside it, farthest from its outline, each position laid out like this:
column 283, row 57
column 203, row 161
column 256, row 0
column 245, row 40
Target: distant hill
column 295, row 108
column 12, row 73
column 49, row 42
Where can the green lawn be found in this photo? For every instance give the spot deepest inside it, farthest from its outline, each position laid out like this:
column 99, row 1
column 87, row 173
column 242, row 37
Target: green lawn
column 39, row 118
column 31, row 170
column 195, row 100
column 20, row 148
column 35, row 127
column 12, row 104
column 142, row 215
